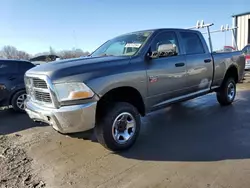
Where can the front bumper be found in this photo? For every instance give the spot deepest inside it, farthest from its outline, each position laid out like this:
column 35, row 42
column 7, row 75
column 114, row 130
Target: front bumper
column 68, row 119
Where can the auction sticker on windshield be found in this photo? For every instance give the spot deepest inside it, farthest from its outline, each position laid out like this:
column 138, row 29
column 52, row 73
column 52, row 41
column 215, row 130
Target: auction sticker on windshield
column 132, row 45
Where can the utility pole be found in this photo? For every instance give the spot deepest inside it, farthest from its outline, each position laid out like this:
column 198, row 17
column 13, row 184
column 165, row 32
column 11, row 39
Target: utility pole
column 74, row 38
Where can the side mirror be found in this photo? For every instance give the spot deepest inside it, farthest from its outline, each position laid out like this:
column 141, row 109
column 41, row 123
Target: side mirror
column 165, row 50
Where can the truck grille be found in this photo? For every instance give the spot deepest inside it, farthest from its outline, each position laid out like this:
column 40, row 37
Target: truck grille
column 42, row 96
column 38, row 83
column 38, row 90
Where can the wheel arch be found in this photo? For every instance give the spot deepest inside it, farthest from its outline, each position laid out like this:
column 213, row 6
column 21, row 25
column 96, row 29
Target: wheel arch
column 13, row 93
column 232, row 71
column 121, row 94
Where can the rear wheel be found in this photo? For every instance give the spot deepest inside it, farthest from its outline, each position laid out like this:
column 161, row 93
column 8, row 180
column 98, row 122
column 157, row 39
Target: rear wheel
column 17, row 101
column 119, row 128
column 227, row 92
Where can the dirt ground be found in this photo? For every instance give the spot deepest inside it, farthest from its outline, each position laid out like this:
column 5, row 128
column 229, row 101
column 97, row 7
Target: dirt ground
column 195, row 144
column 15, row 165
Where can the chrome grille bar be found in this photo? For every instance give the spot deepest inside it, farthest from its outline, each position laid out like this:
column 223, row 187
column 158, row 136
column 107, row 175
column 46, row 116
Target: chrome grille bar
column 38, row 90
column 42, row 96
column 39, row 83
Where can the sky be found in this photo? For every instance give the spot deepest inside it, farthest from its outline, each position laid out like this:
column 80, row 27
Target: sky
column 35, row 25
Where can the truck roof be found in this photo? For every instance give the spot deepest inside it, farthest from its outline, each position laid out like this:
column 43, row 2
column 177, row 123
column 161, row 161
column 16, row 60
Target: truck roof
column 161, row 29
column 14, row 60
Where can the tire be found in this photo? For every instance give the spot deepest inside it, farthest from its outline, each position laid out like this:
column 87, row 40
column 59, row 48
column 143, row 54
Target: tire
column 224, row 96
column 17, row 103
column 108, row 129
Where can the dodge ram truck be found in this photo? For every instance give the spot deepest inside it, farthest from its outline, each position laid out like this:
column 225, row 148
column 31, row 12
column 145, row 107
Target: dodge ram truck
column 126, row 78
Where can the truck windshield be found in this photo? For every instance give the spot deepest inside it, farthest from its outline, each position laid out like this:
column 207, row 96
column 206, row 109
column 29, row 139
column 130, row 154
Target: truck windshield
column 125, row 45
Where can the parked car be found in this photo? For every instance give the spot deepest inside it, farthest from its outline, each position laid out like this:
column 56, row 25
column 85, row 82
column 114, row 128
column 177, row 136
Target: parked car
column 126, row 78
column 41, row 59
column 12, row 88
column 246, row 52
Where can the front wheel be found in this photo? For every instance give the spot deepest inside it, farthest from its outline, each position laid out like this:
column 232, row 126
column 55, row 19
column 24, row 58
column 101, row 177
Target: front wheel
column 119, row 128
column 17, row 101
column 227, row 92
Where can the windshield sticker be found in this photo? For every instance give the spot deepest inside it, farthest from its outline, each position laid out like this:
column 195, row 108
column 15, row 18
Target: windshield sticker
column 132, row 45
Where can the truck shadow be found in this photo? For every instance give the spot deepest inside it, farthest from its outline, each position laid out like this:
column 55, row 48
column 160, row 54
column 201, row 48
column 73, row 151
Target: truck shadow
column 87, row 135
column 198, row 130
column 11, row 122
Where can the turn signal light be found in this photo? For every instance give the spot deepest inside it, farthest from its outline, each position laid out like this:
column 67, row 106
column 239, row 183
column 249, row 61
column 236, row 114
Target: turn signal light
column 80, row 95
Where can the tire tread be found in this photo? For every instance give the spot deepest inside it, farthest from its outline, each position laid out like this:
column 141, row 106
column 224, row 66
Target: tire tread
column 222, row 93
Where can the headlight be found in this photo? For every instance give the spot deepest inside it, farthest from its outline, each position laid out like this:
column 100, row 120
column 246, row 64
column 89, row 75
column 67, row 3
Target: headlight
column 72, row 91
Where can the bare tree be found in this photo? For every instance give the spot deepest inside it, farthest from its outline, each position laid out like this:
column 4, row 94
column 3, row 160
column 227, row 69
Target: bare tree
column 74, row 53
column 66, row 54
column 23, row 55
column 10, row 52
column 80, row 52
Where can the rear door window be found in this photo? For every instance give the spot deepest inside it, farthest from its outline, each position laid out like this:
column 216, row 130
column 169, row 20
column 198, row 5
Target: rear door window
column 8, row 67
column 192, row 43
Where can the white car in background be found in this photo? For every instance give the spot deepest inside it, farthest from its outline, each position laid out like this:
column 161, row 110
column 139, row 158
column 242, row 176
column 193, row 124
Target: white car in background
column 246, row 52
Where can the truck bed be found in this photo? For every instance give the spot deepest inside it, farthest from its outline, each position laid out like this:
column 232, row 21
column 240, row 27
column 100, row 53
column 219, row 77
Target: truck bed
column 222, row 61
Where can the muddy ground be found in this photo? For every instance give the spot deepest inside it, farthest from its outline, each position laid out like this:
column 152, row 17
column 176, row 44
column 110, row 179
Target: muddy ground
column 194, row 144
column 15, row 165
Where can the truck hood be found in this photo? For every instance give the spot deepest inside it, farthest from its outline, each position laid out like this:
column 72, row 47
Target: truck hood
column 57, row 70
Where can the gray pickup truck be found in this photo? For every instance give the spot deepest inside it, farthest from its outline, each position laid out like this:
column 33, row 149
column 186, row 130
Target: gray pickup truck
column 126, row 78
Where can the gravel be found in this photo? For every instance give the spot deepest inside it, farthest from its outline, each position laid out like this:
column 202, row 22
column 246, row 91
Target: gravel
column 16, row 166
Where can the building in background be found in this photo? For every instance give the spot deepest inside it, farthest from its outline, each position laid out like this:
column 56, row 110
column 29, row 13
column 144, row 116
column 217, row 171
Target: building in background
column 242, row 34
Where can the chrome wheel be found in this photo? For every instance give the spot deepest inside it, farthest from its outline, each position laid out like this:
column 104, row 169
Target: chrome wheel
column 20, row 101
column 230, row 91
column 123, row 128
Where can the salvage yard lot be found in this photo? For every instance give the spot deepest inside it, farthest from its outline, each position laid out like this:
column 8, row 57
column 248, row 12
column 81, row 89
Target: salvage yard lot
column 192, row 144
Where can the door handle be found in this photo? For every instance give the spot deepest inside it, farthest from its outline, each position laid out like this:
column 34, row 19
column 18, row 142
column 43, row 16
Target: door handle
column 207, row 60
column 179, row 64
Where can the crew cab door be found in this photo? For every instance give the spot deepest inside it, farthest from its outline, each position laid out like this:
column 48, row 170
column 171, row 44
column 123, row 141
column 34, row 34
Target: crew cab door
column 166, row 76
column 199, row 62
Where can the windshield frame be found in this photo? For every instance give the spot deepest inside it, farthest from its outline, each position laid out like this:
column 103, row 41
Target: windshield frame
column 246, row 49
column 136, row 53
